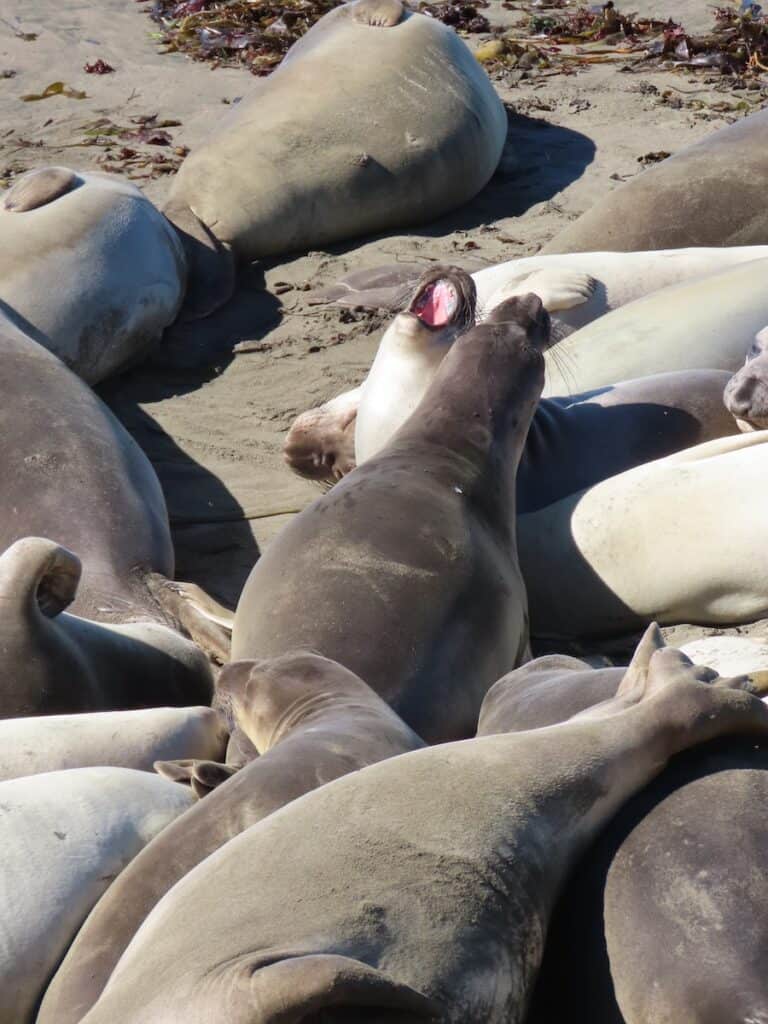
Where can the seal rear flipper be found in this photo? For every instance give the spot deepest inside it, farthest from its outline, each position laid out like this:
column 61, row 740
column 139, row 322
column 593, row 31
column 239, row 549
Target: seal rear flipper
column 205, row 621
column 387, row 287
column 210, row 263
column 38, row 188
column 201, row 776
column 37, row 573
column 379, row 13
column 332, row 989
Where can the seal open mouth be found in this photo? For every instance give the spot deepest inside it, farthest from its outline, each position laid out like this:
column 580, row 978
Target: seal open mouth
column 436, row 304
column 445, row 296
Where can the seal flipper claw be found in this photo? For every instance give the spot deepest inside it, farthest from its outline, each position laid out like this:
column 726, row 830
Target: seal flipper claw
column 210, row 264
column 38, row 188
column 378, row 13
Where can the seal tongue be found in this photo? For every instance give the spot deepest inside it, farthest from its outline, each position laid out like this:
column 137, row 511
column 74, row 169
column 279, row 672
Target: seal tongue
column 436, row 304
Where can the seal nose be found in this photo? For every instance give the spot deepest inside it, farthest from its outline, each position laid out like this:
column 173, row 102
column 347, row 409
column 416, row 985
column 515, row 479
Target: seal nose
column 746, row 397
column 529, row 312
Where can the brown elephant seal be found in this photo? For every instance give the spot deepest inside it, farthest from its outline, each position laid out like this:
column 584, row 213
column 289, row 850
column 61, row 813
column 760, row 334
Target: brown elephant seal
column 425, row 890
column 75, row 481
column 89, row 268
column 665, row 919
column 377, row 118
column 423, row 541
column 312, row 721
column 710, row 193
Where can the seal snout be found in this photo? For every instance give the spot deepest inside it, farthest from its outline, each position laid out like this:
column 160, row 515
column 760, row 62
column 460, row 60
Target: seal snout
column 528, row 312
column 444, row 296
column 746, row 395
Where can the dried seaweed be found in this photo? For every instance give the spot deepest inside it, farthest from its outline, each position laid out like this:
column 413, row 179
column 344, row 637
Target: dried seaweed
column 54, row 89
column 98, row 67
column 131, row 160
column 257, row 35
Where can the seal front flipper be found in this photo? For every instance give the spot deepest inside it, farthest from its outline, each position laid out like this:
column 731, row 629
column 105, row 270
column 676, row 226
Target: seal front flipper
column 558, row 288
column 210, row 263
column 38, row 188
column 201, row 776
column 379, row 13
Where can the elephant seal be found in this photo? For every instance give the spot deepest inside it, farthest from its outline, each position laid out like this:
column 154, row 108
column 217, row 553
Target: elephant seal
column 572, row 442
column 746, row 394
column 707, row 323
column 576, row 288
column 312, row 721
column 706, row 194
column 65, row 837
column 665, row 917
column 89, row 268
column 119, row 739
column 673, row 540
column 75, row 481
column 424, row 555
column 377, row 118
column 429, row 897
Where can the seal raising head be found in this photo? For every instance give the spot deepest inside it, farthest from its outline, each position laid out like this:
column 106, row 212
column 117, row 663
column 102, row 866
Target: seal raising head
column 321, row 443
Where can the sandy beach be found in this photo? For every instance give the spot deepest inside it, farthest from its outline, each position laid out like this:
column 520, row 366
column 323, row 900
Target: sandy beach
column 212, row 405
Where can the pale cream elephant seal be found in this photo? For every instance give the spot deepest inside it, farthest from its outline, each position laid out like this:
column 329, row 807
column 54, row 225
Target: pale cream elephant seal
column 377, row 118
column 88, row 268
column 118, row 739
column 419, row 889
column 676, row 540
column 65, row 836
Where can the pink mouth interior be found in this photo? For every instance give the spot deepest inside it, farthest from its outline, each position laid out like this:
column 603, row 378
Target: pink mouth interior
column 436, row 305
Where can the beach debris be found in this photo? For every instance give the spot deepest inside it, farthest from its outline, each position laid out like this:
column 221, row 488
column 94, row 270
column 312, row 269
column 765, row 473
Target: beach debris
column 98, row 67
column 54, row 89
column 653, row 158
column 123, row 146
column 257, row 35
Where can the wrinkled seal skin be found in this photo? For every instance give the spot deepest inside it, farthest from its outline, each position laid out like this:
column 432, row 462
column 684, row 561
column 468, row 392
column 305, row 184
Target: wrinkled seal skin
column 406, row 572
column 671, row 541
column 746, row 393
column 65, row 836
column 429, row 897
column 377, row 118
column 707, row 323
column 666, row 918
column 710, row 193
column 74, row 480
column 88, row 268
column 312, row 721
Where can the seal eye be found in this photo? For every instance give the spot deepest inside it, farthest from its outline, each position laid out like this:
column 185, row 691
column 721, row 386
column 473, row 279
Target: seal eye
column 436, row 304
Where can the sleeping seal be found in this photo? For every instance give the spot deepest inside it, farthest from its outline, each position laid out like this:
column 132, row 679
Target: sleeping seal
column 418, row 889
column 75, row 481
column 666, row 918
column 65, row 836
column 673, row 540
column 710, row 193
column 572, row 442
column 312, row 721
column 423, row 543
column 118, row 739
column 378, row 117
column 88, row 268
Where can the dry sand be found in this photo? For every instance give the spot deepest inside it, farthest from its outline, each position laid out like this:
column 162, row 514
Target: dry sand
column 212, row 405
